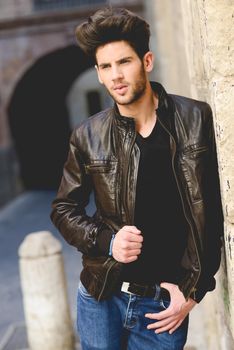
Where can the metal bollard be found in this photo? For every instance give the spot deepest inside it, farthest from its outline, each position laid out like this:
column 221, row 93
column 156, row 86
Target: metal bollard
column 43, row 284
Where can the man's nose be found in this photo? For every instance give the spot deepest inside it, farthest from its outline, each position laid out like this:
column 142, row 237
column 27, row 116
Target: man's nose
column 116, row 73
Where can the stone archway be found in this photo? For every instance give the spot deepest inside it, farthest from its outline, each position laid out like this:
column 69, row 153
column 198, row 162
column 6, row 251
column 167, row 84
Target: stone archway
column 38, row 116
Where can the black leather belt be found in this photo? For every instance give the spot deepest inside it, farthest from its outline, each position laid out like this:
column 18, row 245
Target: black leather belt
column 150, row 291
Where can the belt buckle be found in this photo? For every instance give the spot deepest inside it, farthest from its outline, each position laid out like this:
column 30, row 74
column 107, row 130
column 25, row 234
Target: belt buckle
column 133, row 289
column 124, row 287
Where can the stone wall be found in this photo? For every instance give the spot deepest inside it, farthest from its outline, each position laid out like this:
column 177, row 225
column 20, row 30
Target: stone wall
column 15, row 8
column 211, row 70
column 194, row 45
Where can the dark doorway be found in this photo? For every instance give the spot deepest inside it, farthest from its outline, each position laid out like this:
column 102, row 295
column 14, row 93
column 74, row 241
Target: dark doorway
column 38, row 116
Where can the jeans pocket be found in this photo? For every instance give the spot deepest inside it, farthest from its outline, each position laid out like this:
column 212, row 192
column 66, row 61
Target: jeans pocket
column 83, row 291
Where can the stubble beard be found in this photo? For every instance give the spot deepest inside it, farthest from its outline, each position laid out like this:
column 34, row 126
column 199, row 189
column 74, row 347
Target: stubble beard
column 138, row 91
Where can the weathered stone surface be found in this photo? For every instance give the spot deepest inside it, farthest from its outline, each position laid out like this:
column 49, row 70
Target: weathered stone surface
column 215, row 35
column 206, row 29
column 39, row 244
column 43, row 284
column 223, row 97
column 218, row 19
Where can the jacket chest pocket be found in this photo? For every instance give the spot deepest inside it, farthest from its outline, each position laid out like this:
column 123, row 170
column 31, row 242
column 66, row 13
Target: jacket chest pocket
column 193, row 166
column 103, row 174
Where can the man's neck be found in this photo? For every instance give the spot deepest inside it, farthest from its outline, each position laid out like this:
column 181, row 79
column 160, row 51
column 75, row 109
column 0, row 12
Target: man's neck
column 143, row 110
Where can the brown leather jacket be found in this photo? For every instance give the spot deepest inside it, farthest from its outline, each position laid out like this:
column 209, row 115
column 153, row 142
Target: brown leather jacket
column 104, row 157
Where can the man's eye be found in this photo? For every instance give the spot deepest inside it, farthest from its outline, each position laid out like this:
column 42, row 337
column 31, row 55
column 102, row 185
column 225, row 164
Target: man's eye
column 125, row 61
column 105, row 67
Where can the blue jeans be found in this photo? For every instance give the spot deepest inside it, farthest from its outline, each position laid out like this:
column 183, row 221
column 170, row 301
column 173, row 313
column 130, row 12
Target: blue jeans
column 119, row 323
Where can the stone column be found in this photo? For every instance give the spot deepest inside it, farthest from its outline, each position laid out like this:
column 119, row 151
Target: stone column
column 47, row 315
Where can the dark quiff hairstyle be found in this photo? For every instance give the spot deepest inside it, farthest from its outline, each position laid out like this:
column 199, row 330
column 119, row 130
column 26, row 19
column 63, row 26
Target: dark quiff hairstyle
column 113, row 24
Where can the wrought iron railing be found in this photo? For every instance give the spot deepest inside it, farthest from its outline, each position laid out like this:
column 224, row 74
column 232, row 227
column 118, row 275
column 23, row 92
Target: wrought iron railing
column 45, row 5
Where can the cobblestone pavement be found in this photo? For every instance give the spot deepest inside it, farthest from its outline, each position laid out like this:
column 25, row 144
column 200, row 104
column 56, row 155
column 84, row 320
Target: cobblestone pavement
column 30, row 213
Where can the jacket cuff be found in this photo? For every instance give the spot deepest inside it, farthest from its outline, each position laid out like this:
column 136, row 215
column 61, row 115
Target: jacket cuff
column 198, row 295
column 104, row 238
column 202, row 289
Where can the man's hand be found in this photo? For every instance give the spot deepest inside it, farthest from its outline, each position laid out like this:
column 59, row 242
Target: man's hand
column 173, row 316
column 127, row 244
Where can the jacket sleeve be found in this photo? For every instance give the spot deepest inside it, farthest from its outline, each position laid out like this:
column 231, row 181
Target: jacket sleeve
column 214, row 229
column 88, row 234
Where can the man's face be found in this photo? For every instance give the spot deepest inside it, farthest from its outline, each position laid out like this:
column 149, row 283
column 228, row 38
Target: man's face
column 121, row 71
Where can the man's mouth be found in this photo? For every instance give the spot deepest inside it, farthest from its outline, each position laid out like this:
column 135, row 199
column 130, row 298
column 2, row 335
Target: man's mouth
column 120, row 88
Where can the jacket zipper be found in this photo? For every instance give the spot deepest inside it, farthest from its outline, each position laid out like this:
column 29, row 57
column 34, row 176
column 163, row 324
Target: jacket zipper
column 134, row 191
column 196, row 150
column 178, row 186
column 127, row 216
column 106, row 277
column 97, row 166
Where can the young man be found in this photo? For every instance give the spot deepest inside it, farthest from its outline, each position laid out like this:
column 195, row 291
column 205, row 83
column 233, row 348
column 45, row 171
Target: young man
column 152, row 248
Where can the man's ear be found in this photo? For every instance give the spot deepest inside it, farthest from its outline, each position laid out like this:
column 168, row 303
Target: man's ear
column 98, row 74
column 148, row 61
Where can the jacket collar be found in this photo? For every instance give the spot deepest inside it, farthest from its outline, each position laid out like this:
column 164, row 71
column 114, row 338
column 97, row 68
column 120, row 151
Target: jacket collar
column 164, row 110
column 166, row 107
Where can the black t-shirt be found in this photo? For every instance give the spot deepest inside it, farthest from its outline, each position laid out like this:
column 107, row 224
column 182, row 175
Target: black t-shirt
column 158, row 214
